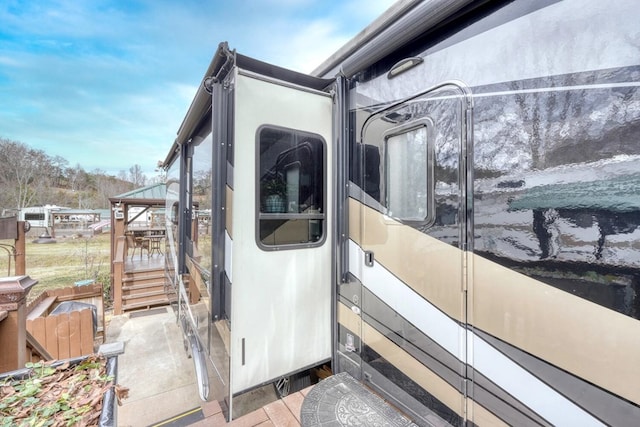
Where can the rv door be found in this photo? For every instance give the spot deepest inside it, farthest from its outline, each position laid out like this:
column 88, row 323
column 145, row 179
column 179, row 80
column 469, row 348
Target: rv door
column 411, row 254
column 280, row 248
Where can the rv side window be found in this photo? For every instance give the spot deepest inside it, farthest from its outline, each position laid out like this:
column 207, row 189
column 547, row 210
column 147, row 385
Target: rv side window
column 34, row 216
column 290, row 188
column 409, row 173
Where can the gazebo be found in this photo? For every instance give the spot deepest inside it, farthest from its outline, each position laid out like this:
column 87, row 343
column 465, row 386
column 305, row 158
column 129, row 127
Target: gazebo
column 137, row 222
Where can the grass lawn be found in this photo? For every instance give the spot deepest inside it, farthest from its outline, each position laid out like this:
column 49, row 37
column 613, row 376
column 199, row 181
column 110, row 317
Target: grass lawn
column 58, row 265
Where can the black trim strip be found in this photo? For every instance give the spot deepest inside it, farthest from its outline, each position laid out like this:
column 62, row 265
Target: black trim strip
column 373, row 361
column 429, row 353
column 279, row 73
column 406, row 336
column 605, row 406
column 502, row 404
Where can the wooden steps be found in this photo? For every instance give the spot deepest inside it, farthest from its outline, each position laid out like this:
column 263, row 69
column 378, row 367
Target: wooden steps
column 138, row 288
column 153, row 294
column 143, row 289
column 144, row 304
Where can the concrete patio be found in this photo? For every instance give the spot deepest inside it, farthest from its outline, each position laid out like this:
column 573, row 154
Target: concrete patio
column 163, row 392
column 154, row 366
column 162, row 384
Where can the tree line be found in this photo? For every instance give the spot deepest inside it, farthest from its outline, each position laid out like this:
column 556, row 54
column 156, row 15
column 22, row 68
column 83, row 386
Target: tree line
column 30, row 177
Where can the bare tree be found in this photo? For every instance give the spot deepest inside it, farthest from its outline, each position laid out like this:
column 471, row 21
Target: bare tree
column 106, row 187
column 24, row 174
column 136, row 176
column 58, row 167
column 29, row 177
column 202, row 188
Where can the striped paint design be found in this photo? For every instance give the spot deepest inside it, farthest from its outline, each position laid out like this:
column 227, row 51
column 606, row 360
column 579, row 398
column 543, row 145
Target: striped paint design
column 466, row 346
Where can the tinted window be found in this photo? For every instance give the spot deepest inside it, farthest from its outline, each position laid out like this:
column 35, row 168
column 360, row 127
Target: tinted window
column 409, row 174
column 291, row 183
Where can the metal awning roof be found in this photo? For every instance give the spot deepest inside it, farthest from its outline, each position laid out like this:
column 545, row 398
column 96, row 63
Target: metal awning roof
column 155, row 191
column 151, row 194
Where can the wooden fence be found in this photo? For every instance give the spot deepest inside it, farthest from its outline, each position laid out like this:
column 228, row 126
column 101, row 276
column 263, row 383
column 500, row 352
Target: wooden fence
column 69, row 334
column 64, row 335
column 47, row 301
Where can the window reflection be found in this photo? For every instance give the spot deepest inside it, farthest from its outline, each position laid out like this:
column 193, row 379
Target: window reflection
column 202, row 194
column 291, row 187
column 408, row 179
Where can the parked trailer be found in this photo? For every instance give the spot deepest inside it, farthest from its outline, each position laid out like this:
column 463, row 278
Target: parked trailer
column 40, row 216
column 448, row 209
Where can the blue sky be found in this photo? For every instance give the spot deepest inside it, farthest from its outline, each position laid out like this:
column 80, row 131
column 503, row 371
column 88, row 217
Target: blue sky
column 106, row 83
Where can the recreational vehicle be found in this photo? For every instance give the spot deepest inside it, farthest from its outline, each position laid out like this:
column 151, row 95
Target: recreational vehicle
column 447, row 209
column 40, row 216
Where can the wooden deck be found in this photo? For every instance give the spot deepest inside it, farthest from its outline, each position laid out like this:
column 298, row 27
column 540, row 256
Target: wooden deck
column 144, row 262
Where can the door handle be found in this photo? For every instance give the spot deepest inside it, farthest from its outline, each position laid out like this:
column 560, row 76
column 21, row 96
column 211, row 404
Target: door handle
column 368, row 258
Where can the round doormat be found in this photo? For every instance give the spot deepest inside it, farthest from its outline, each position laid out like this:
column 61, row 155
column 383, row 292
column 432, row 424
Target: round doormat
column 342, row 401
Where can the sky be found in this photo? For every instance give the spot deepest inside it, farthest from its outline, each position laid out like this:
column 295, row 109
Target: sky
column 105, row 84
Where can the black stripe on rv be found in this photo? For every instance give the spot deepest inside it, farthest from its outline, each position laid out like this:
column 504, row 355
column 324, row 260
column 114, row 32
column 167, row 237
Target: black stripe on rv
column 491, row 397
column 418, row 406
column 607, row 407
column 406, row 336
column 448, row 367
column 386, row 371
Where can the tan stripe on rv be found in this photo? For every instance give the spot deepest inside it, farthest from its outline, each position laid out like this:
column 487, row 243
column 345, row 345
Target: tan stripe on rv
column 431, row 268
column 586, row 339
column 481, row 417
column 229, row 211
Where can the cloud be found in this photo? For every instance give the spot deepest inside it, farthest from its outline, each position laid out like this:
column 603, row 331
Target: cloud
column 106, row 83
column 9, row 62
column 302, row 38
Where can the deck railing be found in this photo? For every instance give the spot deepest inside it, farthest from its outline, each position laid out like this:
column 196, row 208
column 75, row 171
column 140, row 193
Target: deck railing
column 118, row 273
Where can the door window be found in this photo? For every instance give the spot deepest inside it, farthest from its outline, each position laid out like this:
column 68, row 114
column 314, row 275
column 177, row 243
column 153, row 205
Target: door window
column 290, row 188
column 409, row 178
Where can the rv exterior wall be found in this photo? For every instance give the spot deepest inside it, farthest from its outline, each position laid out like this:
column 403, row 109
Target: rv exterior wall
column 545, row 294
column 493, row 216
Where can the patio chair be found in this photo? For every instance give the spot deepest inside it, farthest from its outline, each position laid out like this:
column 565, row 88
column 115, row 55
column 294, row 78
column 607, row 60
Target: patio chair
column 135, row 243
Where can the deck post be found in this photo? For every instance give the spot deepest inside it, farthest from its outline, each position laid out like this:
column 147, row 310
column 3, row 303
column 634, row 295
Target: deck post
column 13, row 329
column 118, row 274
column 20, row 244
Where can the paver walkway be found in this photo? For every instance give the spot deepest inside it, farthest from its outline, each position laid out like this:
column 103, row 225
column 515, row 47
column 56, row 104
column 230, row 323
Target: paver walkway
column 338, row 400
column 281, row 413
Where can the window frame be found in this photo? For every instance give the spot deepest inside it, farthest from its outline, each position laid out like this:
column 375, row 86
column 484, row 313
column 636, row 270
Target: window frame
column 265, row 216
column 428, row 125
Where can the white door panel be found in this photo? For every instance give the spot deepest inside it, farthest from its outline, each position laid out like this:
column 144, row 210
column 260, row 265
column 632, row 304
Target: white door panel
column 281, row 299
